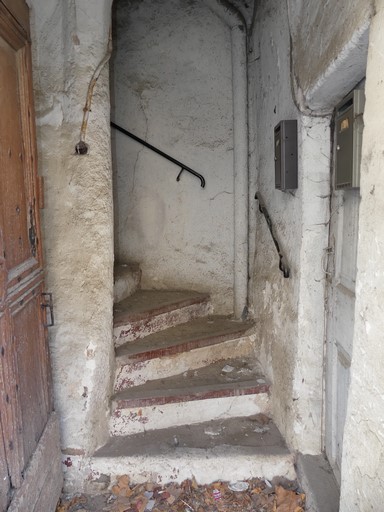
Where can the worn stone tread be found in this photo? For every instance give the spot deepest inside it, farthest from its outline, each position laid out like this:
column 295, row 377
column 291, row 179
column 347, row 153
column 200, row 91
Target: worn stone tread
column 148, row 303
column 200, row 332
column 236, row 436
column 211, row 381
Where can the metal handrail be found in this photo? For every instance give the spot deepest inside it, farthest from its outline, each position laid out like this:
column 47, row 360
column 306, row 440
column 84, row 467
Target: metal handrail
column 283, row 266
column 161, row 153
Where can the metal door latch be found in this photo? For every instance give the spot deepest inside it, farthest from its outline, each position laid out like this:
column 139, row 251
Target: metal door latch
column 48, row 305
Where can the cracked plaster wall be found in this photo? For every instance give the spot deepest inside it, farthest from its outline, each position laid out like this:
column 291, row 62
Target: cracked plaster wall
column 288, row 317
column 172, row 85
column 362, row 486
column 69, row 39
column 327, row 28
column 291, row 312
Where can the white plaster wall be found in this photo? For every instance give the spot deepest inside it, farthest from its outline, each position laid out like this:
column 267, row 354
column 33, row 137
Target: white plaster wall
column 69, row 40
column 291, row 312
column 327, row 28
column 362, row 486
column 172, row 85
column 288, row 312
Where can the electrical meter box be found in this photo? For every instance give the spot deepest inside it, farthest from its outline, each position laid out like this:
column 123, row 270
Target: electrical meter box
column 286, row 155
column 349, row 133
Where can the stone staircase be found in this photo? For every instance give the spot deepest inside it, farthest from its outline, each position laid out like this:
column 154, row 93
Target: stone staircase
column 190, row 398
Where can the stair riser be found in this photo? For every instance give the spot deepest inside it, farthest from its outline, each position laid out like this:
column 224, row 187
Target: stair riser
column 133, row 373
column 135, row 420
column 126, row 285
column 204, row 466
column 151, row 324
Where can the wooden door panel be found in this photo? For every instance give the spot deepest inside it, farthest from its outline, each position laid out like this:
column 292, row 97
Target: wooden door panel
column 31, row 362
column 17, row 9
column 340, row 318
column 15, row 211
column 5, row 484
column 9, row 404
column 25, row 390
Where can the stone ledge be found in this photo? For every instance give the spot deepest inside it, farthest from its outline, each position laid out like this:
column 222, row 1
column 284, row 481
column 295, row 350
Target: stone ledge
column 318, row 482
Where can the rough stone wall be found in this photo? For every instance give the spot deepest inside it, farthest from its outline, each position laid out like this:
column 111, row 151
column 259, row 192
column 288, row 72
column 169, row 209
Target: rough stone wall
column 326, row 28
column 172, row 85
column 289, row 319
column 362, row 487
column 323, row 41
column 69, row 40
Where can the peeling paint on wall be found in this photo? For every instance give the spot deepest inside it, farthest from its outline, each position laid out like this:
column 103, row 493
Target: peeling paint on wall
column 287, row 312
column 69, row 39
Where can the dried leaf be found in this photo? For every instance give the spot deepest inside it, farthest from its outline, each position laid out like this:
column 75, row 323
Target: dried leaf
column 194, row 483
column 171, row 499
column 287, row 501
column 123, row 480
column 190, row 497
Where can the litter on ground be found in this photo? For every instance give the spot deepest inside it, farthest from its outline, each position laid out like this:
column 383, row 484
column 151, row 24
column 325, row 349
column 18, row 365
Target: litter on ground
column 256, row 495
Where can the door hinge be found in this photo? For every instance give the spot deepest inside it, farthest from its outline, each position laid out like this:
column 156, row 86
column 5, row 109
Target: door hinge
column 47, row 304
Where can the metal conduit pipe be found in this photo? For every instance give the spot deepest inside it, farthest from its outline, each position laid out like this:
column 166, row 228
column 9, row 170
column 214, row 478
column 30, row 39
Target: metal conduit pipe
column 235, row 20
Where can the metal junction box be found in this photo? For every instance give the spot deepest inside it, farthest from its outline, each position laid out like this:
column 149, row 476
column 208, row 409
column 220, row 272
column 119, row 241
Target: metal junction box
column 349, row 133
column 286, row 155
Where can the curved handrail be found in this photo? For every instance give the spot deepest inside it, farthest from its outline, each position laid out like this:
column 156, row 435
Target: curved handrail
column 283, row 265
column 161, row 153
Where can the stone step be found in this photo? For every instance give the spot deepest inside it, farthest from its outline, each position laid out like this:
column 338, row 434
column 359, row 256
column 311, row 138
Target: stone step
column 187, row 346
column 133, row 373
column 221, row 390
column 126, row 280
column 223, row 378
column 226, row 449
column 149, row 311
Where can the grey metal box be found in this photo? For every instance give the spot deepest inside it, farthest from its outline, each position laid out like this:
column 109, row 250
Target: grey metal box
column 349, row 133
column 286, row 155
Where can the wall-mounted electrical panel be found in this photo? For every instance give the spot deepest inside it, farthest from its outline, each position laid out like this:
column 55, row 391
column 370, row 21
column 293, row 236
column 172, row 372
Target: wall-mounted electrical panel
column 286, row 155
column 349, row 133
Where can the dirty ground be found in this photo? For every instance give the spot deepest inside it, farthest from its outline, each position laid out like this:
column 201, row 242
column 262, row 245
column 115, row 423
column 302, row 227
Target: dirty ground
column 254, row 495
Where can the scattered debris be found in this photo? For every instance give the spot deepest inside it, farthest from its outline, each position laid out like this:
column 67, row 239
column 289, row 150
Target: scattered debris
column 261, row 430
column 259, row 495
column 214, row 431
column 228, row 369
column 238, row 486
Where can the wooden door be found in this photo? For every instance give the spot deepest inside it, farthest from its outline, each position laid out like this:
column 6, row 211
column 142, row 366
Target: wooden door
column 25, row 390
column 340, row 308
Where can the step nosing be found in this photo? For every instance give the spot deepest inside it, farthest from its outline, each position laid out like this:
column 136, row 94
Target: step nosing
column 182, row 346
column 159, row 310
column 178, row 395
column 220, row 451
